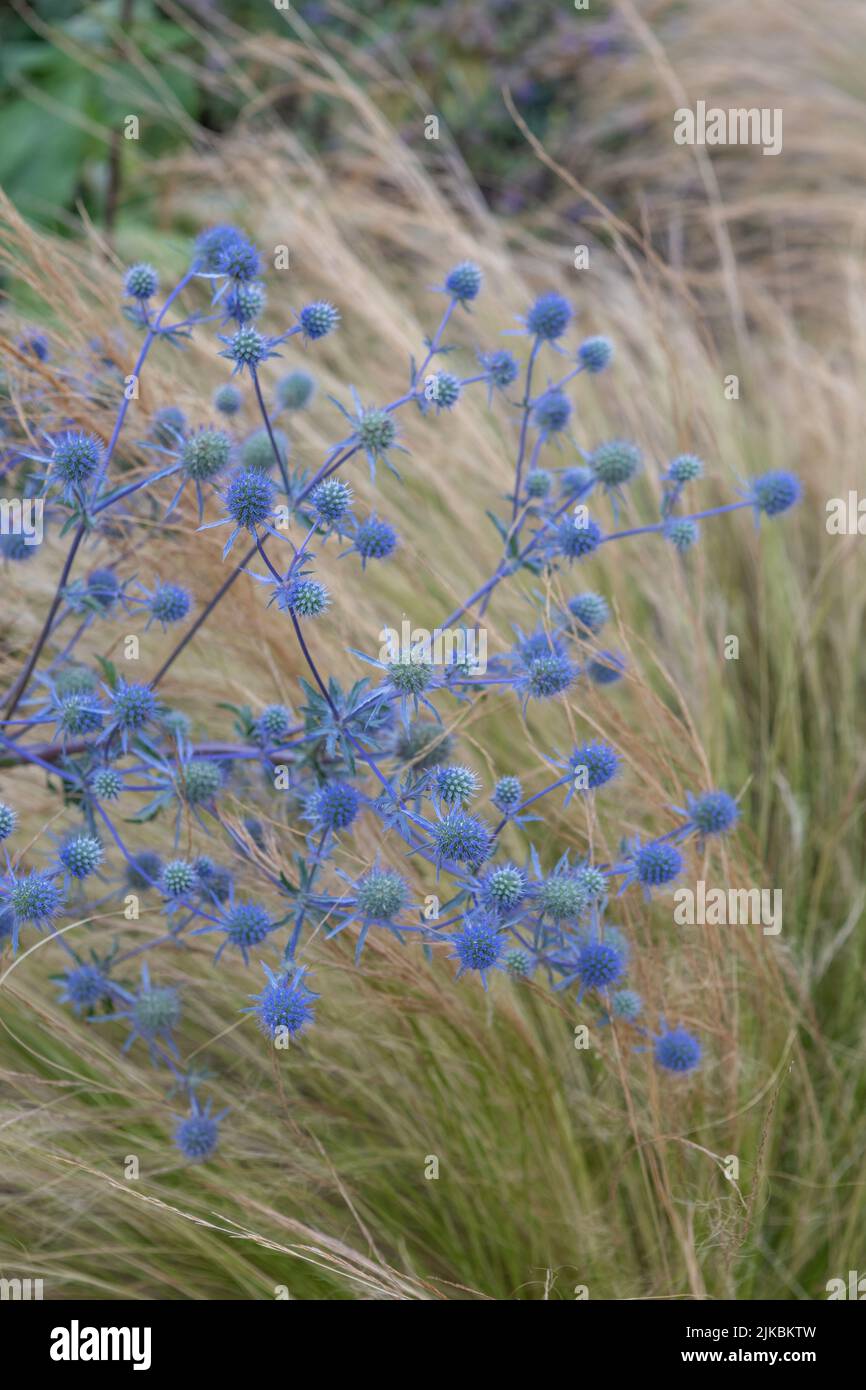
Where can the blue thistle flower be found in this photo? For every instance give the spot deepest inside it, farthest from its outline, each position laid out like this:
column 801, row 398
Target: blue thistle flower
column 517, row 963
column 140, row 282
column 563, row 896
column 546, row 677
column 374, row 539
column 34, row 900
column 443, row 390
column 455, row 783
column 539, row 483
column 133, row 705
column 549, row 317
column 84, row 987
column 197, row 1134
column 178, row 879
column 675, row 1049
column 305, row 597
column 599, row 964
column 257, row 451
column 82, row 856
column 285, row 1005
column 239, row 259
column 615, row 463
column 8, row 820
column 246, row 924
column 77, row 715
column 575, row 482
column 228, row 399
column 462, row 838
column 682, row 532
column 507, row 795
column 710, row 813
column 380, row 896
column 295, row 391
column 200, row 780
column 685, row 468
column 597, row 762
column 248, row 348
column 501, row 367
column 318, row 319
column 74, row 460
column 590, row 610
column 576, row 541
column 211, row 246
column 246, row 302
column 551, row 412
column 332, row 500
column 336, row 805
column 205, row 453
column 504, row 888
column 653, row 865
column 273, row 724
column 775, row 492
column 463, row 283
column 595, row 353
column 168, row 603
column 478, row 945
column 627, row 1005
column 106, row 784
column 153, row 1013
column 249, row 501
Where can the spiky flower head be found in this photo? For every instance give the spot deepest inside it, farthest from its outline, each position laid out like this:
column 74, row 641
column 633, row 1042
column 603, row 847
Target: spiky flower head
column 599, row 964
column 169, row 603
column 517, row 963
column 273, row 724
column 547, row 677
column 575, row 481
column 675, row 1049
column 615, row 462
column 332, row 499
column 285, row 1004
column 75, row 457
column 590, row 610
column 245, row 302
column 247, row 348
column 132, row 705
column 205, row 453
column 381, row 894
column 627, row 1005
column 551, row 412
column 410, row 677
column 249, row 498
column 507, row 795
column 538, row 483
column 685, row 468
column 318, row 319
column 106, row 784
column 594, row 881
column 156, row 1011
column 305, row 597
column 200, row 780
column 549, row 317
column 713, row 813
column 75, row 680
column 593, row 764
column 103, row 588
column 228, row 399
column 77, row 715
column 257, row 451
column 140, row 282
column 574, row 540
column 595, row 353
column 295, row 391
column 178, row 878
column 375, row 431
column 197, row 1135
column 478, row 945
column 247, row 924
column 456, row 783
column 502, row 368
column 82, row 855
column 443, row 389
column 464, row 281
column 375, row 539
column 563, row 897
column 423, row 743
column 336, row 805
column 211, row 245
column 682, row 532
column 8, row 820
column 35, row 900
column 239, row 259
column 657, row 863
column 503, row 888
column 462, row 838
column 84, row 987
column 775, row 492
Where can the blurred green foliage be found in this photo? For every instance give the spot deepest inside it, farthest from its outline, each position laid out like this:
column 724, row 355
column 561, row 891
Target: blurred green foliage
column 69, row 76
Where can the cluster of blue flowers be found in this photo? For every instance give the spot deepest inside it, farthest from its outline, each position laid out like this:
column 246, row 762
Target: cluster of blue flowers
column 376, row 749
